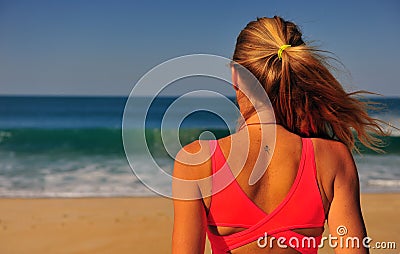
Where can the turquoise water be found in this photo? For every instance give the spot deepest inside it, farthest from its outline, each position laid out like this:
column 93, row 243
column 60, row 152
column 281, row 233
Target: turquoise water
column 72, row 146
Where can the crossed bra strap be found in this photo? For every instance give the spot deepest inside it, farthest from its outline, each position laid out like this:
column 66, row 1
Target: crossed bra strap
column 231, row 207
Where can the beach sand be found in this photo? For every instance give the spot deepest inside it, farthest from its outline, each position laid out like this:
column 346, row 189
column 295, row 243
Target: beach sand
column 133, row 225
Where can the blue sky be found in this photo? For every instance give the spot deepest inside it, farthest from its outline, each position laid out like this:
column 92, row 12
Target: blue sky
column 104, row 47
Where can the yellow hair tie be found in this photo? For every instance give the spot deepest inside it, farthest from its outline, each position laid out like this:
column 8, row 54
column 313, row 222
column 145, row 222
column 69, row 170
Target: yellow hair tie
column 281, row 49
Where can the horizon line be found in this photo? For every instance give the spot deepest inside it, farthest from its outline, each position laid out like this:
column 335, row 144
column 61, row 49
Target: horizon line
column 146, row 96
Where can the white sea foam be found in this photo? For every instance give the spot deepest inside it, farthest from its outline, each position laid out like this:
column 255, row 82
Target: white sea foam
column 393, row 121
column 109, row 176
column 385, row 182
column 379, row 173
column 85, row 176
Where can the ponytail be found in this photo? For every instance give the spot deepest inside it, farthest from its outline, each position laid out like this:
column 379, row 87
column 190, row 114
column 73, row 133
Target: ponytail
column 306, row 97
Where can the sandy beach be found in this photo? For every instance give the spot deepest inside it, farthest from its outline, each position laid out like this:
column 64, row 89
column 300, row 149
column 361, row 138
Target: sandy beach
column 133, row 225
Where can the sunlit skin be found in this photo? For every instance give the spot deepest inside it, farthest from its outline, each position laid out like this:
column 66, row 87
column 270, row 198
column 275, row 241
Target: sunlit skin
column 337, row 177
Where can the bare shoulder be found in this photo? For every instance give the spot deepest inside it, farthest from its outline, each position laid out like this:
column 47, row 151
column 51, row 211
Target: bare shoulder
column 333, row 159
column 193, row 160
column 196, row 147
column 332, row 152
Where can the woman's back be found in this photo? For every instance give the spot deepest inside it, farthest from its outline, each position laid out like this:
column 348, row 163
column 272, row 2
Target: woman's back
column 277, row 184
column 287, row 189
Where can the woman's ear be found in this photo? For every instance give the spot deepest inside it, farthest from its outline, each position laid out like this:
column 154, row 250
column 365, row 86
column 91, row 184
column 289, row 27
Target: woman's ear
column 234, row 78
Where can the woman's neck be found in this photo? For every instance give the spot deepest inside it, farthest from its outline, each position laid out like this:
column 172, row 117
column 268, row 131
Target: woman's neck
column 261, row 117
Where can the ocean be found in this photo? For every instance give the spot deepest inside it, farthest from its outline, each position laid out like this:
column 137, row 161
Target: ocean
column 72, row 146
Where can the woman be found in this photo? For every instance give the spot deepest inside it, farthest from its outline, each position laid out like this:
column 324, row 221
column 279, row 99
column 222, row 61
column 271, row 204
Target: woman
column 311, row 176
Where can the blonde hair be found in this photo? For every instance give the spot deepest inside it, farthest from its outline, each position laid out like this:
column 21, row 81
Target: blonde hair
column 306, row 98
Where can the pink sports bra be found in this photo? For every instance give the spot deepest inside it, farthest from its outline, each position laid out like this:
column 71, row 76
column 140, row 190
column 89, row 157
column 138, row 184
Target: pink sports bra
column 231, row 207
